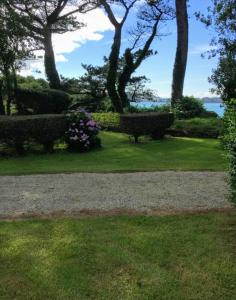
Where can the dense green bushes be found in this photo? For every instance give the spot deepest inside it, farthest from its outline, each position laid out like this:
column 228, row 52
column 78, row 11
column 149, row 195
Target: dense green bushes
column 189, row 107
column 107, row 121
column 229, row 140
column 154, row 124
column 44, row 129
column 76, row 128
column 44, row 101
column 197, row 127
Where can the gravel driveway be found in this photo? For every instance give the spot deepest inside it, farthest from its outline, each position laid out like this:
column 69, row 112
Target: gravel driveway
column 70, row 193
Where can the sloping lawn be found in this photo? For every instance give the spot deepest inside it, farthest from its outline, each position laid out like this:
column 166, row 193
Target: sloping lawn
column 119, row 155
column 171, row 257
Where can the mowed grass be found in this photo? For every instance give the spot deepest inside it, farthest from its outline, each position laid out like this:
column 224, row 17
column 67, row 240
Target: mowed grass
column 171, row 257
column 119, row 155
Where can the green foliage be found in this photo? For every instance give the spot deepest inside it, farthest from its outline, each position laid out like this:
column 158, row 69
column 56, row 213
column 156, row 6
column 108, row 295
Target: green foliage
column 197, row 127
column 209, row 114
column 224, row 77
column 82, row 131
column 44, row 101
column 229, row 140
column 154, row 124
column 87, row 103
column 189, row 107
column 108, row 121
column 15, row 41
column 221, row 16
column 44, row 129
column 31, row 83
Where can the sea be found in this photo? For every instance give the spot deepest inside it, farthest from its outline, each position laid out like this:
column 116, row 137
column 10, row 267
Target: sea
column 210, row 106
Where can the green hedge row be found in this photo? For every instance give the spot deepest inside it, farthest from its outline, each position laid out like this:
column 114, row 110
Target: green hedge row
column 153, row 124
column 44, row 129
column 197, row 127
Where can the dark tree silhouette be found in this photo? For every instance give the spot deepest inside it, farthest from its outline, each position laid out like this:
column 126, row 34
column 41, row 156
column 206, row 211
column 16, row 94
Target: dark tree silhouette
column 181, row 51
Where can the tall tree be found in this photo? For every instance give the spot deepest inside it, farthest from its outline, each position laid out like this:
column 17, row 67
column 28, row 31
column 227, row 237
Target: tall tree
column 221, row 16
column 181, row 51
column 14, row 47
column 149, row 16
column 126, row 5
column 2, row 108
column 150, row 13
column 44, row 18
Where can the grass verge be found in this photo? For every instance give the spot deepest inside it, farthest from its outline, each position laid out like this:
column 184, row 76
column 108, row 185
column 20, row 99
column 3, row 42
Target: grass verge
column 119, row 155
column 171, row 257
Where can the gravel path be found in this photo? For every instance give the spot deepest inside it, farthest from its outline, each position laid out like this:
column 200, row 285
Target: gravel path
column 47, row 194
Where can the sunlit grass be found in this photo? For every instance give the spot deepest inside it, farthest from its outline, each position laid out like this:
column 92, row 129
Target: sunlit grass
column 118, row 154
column 175, row 257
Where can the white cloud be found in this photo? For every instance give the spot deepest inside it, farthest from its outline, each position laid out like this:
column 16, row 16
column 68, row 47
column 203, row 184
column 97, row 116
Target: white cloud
column 96, row 24
column 60, row 58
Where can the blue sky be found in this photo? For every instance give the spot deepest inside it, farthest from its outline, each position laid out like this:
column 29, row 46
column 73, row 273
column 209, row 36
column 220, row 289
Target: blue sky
column 94, row 42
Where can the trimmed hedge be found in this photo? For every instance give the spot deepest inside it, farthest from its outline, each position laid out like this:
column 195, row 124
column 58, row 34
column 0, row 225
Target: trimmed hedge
column 45, row 101
column 154, row 124
column 197, row 127
column 44, row 129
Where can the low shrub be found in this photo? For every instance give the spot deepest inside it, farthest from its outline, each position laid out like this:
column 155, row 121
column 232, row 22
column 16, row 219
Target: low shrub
column 82, row 131
column 44, row 129
column 107, row 121
column 229, row 140
column 153, row 124
column 209, row 114
column 189, row 107
column 197, row 127
column 43, row 101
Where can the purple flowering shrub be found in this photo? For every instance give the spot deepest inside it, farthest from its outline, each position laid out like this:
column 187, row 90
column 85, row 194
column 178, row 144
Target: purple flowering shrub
column 82, row 132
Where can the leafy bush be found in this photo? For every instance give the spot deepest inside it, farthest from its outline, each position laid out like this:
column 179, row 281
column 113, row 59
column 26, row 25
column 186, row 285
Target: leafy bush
column 197, row 127
column 209, row 114
column 154, row 124
column 108, row 121
column 230, row 142
column 189, row 107
column 45, row 129
column 43, row 101
column 82, row 131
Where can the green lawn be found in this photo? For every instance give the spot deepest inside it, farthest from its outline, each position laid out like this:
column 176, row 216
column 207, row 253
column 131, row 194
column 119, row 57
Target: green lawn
column 119, row 155
column 171, row 258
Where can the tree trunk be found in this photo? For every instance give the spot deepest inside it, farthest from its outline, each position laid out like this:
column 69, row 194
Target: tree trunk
column 10, row 96
column 2, row 109
column 125, row 77
column 181, row 52
column 15, row 86
column 112, row 72
column 49, row 62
